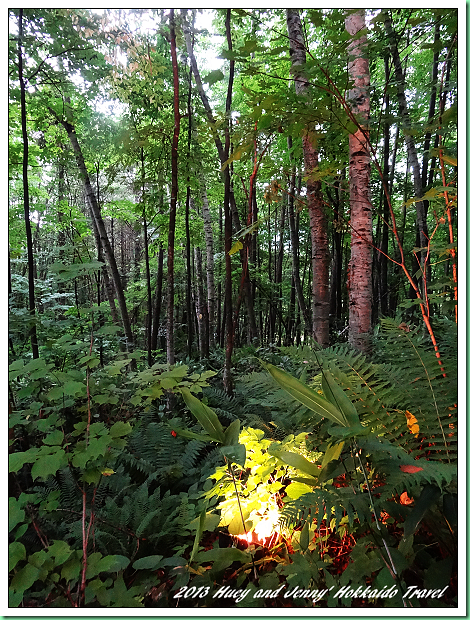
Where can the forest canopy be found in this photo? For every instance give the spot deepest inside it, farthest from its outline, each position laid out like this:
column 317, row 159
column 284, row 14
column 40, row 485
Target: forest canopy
column 232, row 285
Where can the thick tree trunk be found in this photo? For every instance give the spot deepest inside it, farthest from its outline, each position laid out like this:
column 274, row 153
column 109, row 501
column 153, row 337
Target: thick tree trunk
column 170, row 340
column 29, row 239
column 360, row 266
column 318, row 222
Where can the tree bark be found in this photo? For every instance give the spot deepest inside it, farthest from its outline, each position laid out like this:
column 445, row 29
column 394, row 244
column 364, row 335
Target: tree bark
column 96, row 215
column 318, row 222
column 360, row 266
column 170, row 341
column 29, row 239
column 209, row 237
column 148, row 322
column 409, row 140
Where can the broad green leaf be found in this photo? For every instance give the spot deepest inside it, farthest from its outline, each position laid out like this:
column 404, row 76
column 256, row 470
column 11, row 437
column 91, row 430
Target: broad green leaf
column 61, row 552
column 119, row 429
column 335, row 394
column 112, row 563
column 306, row 395
column 18, row 459
column 54, row 439
column 16, row 552
column 236, row 527
column 48, row 464
column 232, row 433
column 15, row 513
column 205, row 416
column 25, row 578
column 214, row 76
column 297, row 489
column 295, row 460
column 235, row 454
column 429, row 496
column 149, row 562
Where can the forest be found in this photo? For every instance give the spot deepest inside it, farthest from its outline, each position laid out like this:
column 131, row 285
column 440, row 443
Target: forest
column 232, row 293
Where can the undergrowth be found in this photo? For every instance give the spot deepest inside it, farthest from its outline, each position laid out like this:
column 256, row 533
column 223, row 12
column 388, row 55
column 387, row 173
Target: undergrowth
column 325, row 472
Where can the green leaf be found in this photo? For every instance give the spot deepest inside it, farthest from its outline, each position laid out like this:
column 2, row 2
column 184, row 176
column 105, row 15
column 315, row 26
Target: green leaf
column 214, row 76
column 48, row 464
column 199, row 532
column 15, row 513
column 112, row 564
column 306, row 395
column 232, row 433
column 18, row 459
column 149, row 562
column 54, row 439
column 16, row 552
column 235, row 454
column 338, row 398
column 297, row 489
column 224, row 557
column 25, row 578
column 333, row 452
column 294, row 460
column 205, row 416
column 119, row 429
column 61, row 551
column 304, row 536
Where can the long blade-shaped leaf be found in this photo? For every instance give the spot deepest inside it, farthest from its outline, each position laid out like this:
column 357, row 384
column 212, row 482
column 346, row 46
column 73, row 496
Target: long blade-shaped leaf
column 336, row 395
column 306, row 395
column 205, row 416
column 295, row 460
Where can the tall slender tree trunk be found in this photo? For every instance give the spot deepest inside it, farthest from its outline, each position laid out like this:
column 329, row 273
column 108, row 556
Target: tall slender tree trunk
column 170, row 340
column 148, row 322
column 201, row 306
column 409, row 140
column 29, row 239
column 209, row 237
column 104, row 241
column 360, row 265
column 318, row 221
column 158, row 301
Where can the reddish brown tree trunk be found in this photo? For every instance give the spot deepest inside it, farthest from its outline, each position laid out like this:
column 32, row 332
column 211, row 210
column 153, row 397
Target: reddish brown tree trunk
column 360, row 266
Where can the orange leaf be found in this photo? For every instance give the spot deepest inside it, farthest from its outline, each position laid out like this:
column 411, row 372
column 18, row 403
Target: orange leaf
column 405, row 499
column 410, row 469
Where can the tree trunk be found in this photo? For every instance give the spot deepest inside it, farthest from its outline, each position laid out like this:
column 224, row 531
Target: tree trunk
column 360, row 265
column 209, row 237
column 201, row 306
column 409, row 140
column 29, row 239
column 170, row 340
column 96, row 214
column 148, row 323
column 158, row 301
column 318, row 222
